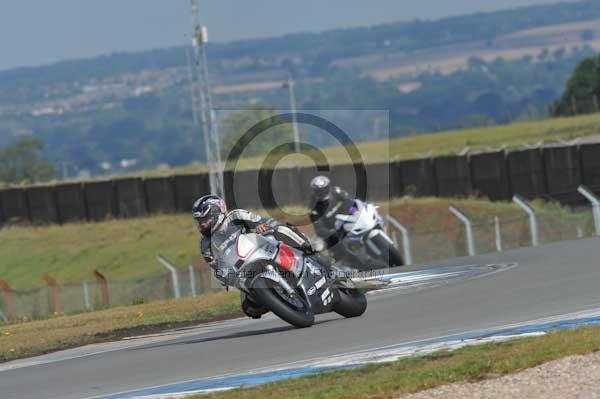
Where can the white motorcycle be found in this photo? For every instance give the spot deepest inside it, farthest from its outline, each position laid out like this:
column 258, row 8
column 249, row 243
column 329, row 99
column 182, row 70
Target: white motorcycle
column 364, row 243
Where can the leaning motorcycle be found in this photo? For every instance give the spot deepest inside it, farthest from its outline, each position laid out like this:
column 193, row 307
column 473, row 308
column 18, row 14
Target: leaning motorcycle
column 363, row 242
column 284, row 280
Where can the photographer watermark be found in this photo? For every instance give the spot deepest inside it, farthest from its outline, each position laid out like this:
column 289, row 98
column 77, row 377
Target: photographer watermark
column 263, row 171
column 269, row 172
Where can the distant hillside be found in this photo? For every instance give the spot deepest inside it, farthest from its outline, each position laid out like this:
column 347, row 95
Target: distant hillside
column 314, row 51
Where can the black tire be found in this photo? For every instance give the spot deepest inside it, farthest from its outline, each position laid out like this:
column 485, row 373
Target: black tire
column 270, row 299
column 352, row 302
column 389, row 251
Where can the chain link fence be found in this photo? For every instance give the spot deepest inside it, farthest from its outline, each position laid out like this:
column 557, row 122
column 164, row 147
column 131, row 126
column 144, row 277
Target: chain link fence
column 510, row 232
column 93, row 295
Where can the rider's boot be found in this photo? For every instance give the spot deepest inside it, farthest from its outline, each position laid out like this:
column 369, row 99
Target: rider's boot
column 252, row 309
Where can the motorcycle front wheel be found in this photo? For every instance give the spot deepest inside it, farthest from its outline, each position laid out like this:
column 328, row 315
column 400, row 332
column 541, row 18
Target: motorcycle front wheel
column 290, row 309
column 389, row 251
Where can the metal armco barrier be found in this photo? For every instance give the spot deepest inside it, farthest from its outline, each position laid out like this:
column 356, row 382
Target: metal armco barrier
column 587, row 193
column 468, row 228
column 533, row 226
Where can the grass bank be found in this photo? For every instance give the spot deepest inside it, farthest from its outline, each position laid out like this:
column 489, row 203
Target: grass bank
column 411, row 375
column 29, row 338
column 512, row 136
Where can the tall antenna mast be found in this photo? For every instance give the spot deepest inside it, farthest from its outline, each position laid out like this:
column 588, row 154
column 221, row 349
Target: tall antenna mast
column 202, row 103
column 191, row 77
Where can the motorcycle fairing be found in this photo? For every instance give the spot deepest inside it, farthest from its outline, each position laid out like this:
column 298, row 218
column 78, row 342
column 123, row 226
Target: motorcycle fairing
column 316, row 286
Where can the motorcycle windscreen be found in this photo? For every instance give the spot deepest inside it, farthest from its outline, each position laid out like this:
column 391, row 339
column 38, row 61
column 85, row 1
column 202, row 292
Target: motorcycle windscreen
column 244, row 247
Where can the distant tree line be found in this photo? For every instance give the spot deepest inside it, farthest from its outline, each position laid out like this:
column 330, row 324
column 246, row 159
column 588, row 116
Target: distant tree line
column 483, row 93
column 582, row 94
column 23, row 162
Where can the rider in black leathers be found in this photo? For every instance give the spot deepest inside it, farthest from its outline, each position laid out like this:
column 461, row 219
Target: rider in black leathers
column 326, row 203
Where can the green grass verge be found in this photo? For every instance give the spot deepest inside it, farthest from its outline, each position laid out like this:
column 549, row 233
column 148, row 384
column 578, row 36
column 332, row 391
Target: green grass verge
column 415, row 374
column 121, row 249
column 512, row 136
column 29, row 338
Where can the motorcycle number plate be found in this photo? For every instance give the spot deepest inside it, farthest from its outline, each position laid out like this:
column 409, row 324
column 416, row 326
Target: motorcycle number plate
column 320, row 283
column 326, row 297
column 312, row 290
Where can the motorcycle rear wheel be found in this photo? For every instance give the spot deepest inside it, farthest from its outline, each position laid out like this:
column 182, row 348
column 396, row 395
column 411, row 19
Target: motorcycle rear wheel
column 269, row 297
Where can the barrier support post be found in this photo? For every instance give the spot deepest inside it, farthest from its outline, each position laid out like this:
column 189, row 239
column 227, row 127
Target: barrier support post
column 498, row 234
column 53, row 285
column 533, row 226
column 103, row 283
column 589, row 194
column 468, row 227
column 192, row 280
column 405, row 239
column 86, row 296
column 174, row 276
column 8, row 295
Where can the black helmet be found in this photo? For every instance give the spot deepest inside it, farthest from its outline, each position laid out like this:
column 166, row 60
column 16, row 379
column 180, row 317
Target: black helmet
column 209, row 212
column 321, row 188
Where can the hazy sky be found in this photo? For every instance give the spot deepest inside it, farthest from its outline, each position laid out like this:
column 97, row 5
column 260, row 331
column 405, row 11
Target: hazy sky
column 41, row 31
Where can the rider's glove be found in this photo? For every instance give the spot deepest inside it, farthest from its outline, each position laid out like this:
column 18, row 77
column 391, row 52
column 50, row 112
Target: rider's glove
column 262, row 228
column 307, row 248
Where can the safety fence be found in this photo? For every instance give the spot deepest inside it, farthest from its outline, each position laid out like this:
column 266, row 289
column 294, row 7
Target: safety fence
column 99, row 293
column 473, row 235
column 468, row 234
column 514, row 233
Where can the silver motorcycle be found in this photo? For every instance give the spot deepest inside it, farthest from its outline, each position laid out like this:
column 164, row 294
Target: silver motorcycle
column 284, row 280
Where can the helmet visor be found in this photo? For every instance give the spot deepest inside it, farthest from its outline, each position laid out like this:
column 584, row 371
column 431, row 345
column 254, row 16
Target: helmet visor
column 206, row 219
column 206, row 223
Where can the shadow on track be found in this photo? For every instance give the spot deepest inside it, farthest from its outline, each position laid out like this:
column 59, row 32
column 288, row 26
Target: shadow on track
column 241, row 334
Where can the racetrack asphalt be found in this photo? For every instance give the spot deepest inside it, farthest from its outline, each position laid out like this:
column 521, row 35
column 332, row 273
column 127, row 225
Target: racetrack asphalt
column 549, row 280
